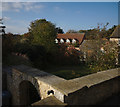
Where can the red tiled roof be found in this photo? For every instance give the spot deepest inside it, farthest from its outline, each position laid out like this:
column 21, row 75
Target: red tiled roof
column 77, row 36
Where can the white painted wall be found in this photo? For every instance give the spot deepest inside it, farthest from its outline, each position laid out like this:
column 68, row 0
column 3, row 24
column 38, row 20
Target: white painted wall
column 116, row 40
column 61, row 41
column 73, row 41
column 56, row 40
column 67, row 41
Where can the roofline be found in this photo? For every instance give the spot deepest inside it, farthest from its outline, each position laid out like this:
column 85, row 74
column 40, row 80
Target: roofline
column 115, row 31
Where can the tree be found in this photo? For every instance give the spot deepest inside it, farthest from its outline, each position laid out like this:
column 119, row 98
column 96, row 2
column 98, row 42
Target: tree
column 7, row 44
column 43, row 33
column 59, row 30
column 91, row 34
column 82, row 31
column 99, row 32
column 72, row 31
column 101, row 54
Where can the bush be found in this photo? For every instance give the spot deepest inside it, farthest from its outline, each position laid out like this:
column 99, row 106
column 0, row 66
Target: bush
column 103, row 60
column 21, row 47
column 66, row 55
column 37, row 54
column 7, row 46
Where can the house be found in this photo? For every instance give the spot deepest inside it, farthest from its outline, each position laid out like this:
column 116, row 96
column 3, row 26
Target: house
column 116, row 35
column 89, row 47
column 70, row 38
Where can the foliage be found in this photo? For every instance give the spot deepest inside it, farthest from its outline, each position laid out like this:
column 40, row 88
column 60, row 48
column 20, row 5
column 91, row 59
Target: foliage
column 43, row 33
column 7, row 45
column 101, row 55
column 76, row 44
column 21, row 47
column 72, row 31
column 69, row 72
column 8, row 42
column 66, row 55
column 39, row 46
column 59, row 30
column 101, row 31
column 91, row 34
column 82, row 31
column 96, row 33
column 37, row 55
column 26, row 34
column 12, row 60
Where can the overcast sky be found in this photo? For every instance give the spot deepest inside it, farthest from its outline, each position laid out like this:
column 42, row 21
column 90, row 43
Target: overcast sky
column 67, row 15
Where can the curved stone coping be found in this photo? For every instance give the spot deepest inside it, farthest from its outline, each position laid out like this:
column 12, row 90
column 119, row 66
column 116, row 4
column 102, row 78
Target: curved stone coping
column 68, row 86
column 89, row 80
column 38, row 74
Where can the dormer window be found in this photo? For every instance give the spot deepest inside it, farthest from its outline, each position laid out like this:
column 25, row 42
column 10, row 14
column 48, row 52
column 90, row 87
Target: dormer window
column 73, row 41
column 61, row 41
column 67, row 41
column 56, row 40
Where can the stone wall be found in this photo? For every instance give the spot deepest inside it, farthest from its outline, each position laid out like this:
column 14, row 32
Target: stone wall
column 94, row 94
column 14, row 78
column 86, row 90
column 39, row 79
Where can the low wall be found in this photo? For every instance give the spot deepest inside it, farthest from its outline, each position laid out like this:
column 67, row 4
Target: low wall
column 94, row 94
column 97, row 90
column 42, row 81
column 86, row 90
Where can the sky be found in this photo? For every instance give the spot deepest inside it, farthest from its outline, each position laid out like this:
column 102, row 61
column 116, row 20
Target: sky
column 66, row 15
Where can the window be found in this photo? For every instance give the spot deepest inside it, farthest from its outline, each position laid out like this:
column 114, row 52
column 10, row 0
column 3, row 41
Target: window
column 56, row 41
column 61, row 41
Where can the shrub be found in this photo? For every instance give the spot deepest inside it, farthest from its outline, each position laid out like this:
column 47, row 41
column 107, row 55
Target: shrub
column 103, row 60
column 66, row 55
column 37, row 54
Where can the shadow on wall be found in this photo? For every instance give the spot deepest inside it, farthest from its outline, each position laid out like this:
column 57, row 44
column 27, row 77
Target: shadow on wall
column 95, row 94
column 28, row 93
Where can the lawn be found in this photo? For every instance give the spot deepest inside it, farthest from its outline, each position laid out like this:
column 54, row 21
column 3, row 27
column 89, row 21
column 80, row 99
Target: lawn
column 70, row 72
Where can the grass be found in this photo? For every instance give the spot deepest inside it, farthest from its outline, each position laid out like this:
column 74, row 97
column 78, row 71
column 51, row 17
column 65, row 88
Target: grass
column 70, row 72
